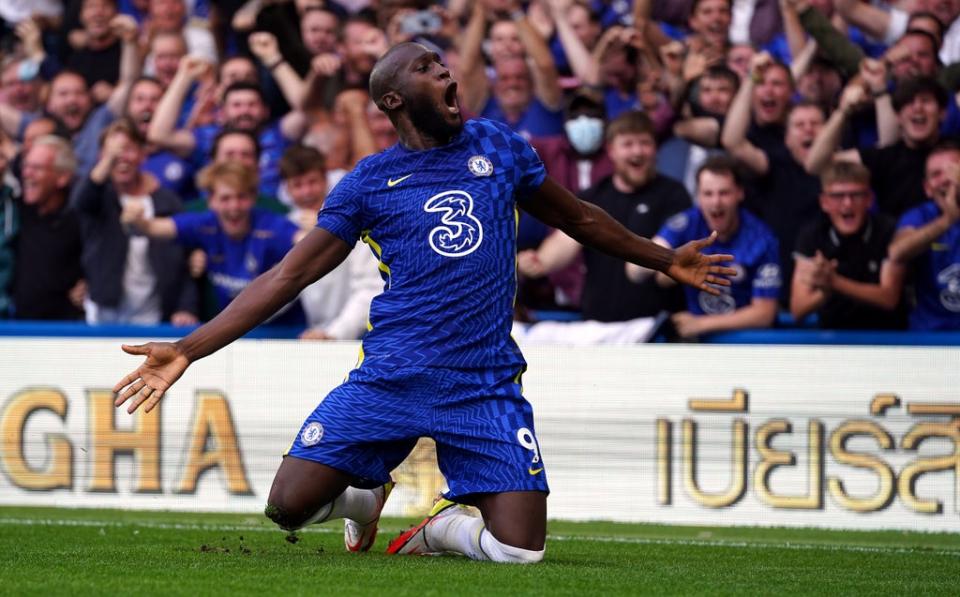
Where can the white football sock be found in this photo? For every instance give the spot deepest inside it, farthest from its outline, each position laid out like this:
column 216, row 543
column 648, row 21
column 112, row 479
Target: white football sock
column 457, row 532
column 359, row 505
column 501, row 552
column 467, row 535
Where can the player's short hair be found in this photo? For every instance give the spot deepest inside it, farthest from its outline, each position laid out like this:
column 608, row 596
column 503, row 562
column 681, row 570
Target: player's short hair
column 64, row 160
column 232, row 131
column 908, row 90
column 234, row 174
column 632, row 122
column 127, row 127
column 297, row 160
column 244, row 86
column 844, row 171
column 721, row 165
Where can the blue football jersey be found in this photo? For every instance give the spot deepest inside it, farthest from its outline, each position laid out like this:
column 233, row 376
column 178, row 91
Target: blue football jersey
column 232, row 264
column 536, row 121
column 756, row 260
column 937, row 274
column 172, row 172
column 272, row 145
column 443, row 223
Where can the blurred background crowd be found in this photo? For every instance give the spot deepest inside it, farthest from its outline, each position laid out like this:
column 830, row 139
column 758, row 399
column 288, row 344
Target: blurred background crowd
column 157, row 155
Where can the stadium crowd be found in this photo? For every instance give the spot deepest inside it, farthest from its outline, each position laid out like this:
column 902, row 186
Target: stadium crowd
column 157, row 155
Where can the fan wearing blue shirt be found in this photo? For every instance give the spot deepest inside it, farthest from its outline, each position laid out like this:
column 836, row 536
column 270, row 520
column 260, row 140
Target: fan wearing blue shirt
column 242, row 106
column 928, row 239
column 240, row 241
column 751, row 299
column 526, row 97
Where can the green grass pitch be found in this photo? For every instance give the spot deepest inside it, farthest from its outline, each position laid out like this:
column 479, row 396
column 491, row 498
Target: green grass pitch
column 105, row 552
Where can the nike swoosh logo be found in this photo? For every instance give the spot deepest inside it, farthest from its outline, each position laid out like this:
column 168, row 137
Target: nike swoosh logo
column 535, row 471
column 393, row 183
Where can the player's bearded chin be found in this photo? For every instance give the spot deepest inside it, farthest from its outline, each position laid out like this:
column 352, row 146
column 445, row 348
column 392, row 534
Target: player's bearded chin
column 429, row 120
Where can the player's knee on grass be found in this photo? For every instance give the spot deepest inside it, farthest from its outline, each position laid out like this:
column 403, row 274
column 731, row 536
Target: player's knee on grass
column 281, row 517
column 516, row 538
column 292, row 507
column 286, row 519
column 516, row 519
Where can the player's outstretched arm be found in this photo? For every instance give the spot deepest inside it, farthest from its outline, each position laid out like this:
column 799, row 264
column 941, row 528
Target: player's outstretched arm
column 691, row 267
column 589, row 225
column 311, row 258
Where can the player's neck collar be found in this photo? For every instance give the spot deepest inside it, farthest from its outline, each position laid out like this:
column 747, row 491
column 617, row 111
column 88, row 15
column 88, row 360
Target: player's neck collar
column 404, row 149
column 455, row 140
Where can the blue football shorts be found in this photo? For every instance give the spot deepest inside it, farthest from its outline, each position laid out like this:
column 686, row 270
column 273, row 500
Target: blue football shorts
column 481, row 423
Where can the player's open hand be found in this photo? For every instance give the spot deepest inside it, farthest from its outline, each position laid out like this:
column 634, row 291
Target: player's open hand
column 148, row 383
column 693, row 268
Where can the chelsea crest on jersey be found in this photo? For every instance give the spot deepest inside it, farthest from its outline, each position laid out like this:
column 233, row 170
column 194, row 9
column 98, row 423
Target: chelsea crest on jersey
column 442, row 223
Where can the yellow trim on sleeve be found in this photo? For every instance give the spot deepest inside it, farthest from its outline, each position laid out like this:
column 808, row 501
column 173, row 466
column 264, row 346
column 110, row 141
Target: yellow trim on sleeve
column 377, row 250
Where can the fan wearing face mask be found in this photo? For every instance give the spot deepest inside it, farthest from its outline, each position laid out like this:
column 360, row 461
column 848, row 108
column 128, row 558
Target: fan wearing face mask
column 579, row 160
column 637, row 197
column 577, row 157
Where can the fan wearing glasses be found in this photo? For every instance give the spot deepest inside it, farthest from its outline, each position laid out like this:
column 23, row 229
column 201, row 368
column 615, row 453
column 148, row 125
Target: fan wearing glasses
column 842, row 272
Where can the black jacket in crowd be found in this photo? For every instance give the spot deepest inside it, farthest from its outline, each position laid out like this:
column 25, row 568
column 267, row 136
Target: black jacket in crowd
column 105, row 244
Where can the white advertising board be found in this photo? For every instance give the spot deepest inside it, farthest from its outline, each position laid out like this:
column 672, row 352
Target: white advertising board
column 821, row 436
